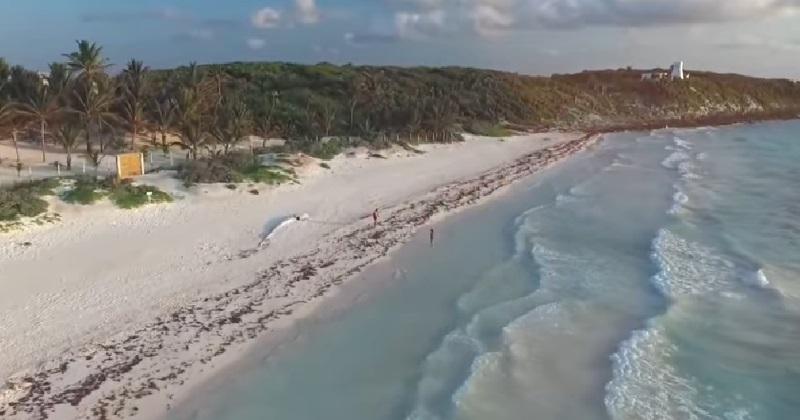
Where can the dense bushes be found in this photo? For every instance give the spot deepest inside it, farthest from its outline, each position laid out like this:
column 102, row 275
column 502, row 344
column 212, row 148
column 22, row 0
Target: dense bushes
column 232, row 168
column 375, row 103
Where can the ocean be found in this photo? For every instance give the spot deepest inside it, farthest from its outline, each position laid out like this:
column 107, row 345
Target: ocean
column 655, row 276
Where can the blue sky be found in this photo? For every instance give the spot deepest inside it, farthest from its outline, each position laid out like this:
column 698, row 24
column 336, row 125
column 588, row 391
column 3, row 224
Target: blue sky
column 759, row 37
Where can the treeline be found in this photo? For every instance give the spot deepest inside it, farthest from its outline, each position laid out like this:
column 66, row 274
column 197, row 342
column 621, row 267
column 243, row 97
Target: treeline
column 210, row 109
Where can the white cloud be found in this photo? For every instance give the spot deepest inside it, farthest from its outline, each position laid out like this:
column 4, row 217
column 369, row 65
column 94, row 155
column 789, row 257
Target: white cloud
column 256, row 43
column 577, row 13
column 412, row 25
column 493, row 17
column 266, row 18
column 307, row 11
column 490, row 20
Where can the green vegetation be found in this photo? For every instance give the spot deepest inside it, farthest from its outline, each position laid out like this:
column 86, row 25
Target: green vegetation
column 272, row 175
column 489, row 130
column 89, row 190
column 324, row 165
column 233, row 168
column 85, row 191
column 211, row 111
column 24, row 200
column 128, row 196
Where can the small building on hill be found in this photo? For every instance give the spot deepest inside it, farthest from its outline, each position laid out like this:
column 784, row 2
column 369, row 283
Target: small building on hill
column 654, row 75
column 675, row 72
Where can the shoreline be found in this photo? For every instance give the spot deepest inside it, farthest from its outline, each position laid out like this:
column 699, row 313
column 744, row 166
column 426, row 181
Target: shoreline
column 218, row 330
column 111, row 379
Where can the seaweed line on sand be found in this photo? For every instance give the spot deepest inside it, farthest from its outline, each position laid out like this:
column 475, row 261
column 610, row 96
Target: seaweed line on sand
column 103, row 380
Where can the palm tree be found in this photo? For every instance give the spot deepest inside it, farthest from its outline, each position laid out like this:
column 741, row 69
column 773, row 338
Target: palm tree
column 232, row 122
column 8, row 117
column 42, row 106
column 67, row 135
column 163, row 117
column 134, row 86
column 59, row 78
column 87, row 62
column 194, row 103
column 93, row 104
column 189, row 116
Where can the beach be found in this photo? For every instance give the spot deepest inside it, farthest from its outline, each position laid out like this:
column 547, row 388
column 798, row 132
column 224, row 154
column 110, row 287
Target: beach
column 114, row 313
column 653, row 277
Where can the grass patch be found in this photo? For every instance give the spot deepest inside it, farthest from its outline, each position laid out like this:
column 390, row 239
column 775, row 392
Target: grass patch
column 87, row 190
column 324, row 165
column 128, row 196
column 24, row 200
column 272, row 175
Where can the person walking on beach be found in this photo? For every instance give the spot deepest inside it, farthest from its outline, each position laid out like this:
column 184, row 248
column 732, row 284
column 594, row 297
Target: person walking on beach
column 375, row 217
column 431, row 237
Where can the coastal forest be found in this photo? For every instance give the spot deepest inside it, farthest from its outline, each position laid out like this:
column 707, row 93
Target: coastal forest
column 208, row 110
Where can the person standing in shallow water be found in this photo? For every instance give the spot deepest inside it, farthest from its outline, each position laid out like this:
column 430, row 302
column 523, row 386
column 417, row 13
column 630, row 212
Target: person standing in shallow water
column 431, row 237
column 375, row 217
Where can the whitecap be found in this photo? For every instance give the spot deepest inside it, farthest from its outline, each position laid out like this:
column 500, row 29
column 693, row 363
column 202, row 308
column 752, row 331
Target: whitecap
column 683, row 144
column 679, row 200
column 674, row 159
column 757, row 278
column 688, row 268
column 645, row 385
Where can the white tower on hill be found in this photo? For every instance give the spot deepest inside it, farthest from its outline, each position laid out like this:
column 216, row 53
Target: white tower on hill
column 677, row 71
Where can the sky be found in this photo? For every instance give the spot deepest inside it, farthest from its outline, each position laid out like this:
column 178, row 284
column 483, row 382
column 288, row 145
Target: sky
column 756, row 37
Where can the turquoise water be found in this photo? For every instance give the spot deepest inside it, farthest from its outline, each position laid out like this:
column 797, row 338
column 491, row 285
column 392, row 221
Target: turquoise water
column 654, row 277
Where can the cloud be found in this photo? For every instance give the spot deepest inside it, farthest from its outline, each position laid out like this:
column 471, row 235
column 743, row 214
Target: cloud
column 307, row 11
column 415, row 25
column 495, row 17
column 651, row 12
column 490, row 20
column 628, row 13
column 256, row 43
column 266, row 18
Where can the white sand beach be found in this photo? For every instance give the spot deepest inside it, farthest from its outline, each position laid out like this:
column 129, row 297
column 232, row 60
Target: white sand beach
column 106, row 301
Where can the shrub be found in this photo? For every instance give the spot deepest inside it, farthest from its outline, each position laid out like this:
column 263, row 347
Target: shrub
column 325, row 165
column 128, row 196
column 487, row 129
column 272, row 175
column 87, row 190
column 207, row 171
column 21, row 202
column 231, row 169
